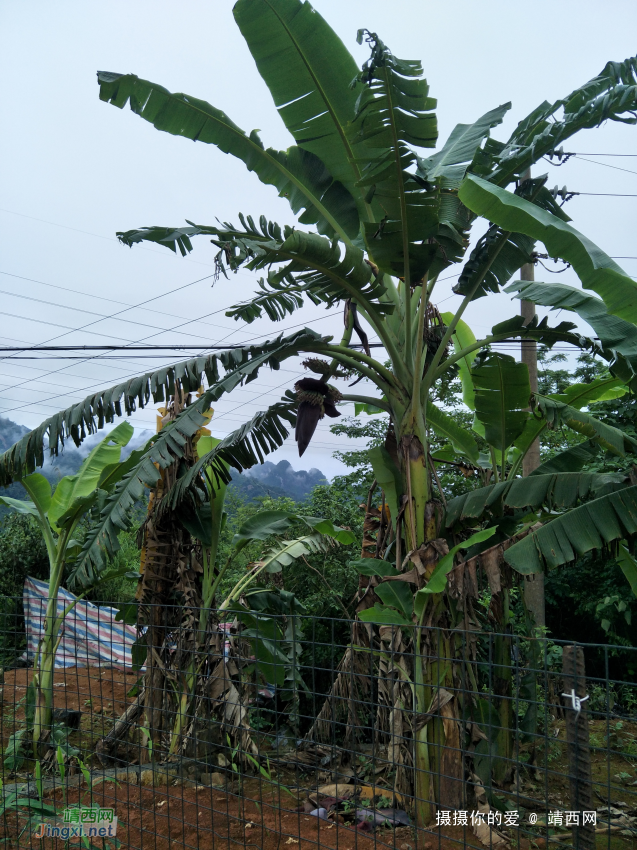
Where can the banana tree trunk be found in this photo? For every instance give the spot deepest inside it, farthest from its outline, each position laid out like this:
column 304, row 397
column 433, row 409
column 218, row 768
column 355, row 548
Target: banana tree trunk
column 438, row 757
column 44, row 665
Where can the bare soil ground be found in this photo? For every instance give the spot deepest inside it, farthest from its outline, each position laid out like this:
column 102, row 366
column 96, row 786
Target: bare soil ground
column 201, row 817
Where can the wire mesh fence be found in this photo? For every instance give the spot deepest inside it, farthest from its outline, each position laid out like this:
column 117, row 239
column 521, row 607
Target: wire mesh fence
column 279, row 729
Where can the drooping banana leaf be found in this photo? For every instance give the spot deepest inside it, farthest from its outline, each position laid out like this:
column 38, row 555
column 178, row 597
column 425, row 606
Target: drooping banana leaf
column 500, row 252
column 290, row 42
column 539, row 330
column 577, row 396
column 309, row 264
column 514, row 328
column 241, row 449
column 502, row 392
column 288, row 551
column 555, row 491
column 558, row 414
column 570, row 460
column 584, row 529
column 88, row 416
column 628, row 566
column 616, row 336
column 594, row 268
column 299, row 176
column 611, row 95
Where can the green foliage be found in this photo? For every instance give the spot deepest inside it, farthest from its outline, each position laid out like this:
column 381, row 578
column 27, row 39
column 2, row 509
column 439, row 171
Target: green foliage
column 576, row 606
column 370, row 428
column 594, row 268
column 126, row 560
column 22, row 553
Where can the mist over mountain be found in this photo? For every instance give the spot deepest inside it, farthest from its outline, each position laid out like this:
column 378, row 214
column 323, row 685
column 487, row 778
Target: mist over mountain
column 277, row 479
column 268, row 479
column 67, row 462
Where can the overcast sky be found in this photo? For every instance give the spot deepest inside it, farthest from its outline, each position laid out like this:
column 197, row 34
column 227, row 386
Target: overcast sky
column 75, row 170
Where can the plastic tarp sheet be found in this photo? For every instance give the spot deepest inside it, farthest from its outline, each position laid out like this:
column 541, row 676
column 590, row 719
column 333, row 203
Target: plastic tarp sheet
column 91, row 637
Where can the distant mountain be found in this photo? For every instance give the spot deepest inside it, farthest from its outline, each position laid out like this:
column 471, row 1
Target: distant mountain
column 10, row 433
column 277, row 479
column 268, row 479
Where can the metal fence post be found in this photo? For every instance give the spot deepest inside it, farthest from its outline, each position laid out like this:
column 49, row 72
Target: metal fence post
column 577, row 736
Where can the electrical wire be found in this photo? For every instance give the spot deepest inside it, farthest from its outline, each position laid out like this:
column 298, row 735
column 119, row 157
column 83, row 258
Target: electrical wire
column 606, row 165
column 110, row 239
column 605, row 154
column 608, row 194
column 90, row 359
column 111, row 300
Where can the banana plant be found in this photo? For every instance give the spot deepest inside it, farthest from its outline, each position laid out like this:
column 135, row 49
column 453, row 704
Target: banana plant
column 383, row 218
column 319, row 536
column 58, row 516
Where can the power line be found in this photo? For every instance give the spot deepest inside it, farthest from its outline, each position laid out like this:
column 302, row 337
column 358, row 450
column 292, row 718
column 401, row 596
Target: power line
column 110, row 239
column 162, row 347
column 605, row 154
column 607, row 194
column 101, row 298
column 55, row 371
column 606, row 165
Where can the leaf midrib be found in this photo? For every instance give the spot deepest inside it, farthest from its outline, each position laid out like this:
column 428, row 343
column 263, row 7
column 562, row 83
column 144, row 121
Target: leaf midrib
column 329, row 107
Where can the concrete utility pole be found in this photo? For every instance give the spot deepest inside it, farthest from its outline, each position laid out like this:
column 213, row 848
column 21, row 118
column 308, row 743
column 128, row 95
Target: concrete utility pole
column 533, row 584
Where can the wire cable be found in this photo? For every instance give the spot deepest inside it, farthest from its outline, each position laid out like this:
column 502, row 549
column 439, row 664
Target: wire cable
column 111, row 300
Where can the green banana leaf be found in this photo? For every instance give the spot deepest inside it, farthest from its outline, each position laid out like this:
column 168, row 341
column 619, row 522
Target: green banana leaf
column 287, row 551
column 628, row 566
column 373, row 567
column 39, row 489
column 557, row 414
column 388, row 477
column 89, row 415
column 289, row 42
column 265, row 524
column 314, row 265
column 74, row 492
column 551, row 491
column 463, row 337
column 396, row 594
column 502, row 392
column 500, row 253
column 611, row 95
column 616, row 336
column 594, row 268
column 447, row 428
column 394, row 113
column 299, row 176
column 576, row 397
column 570, row 460
column 589, row 527
column 241, row 449
column 460, row 149
column 438, row 580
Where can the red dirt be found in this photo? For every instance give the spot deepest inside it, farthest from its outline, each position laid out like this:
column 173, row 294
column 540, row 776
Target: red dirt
column 100, row 693
column 177, row 818
column 74, row 686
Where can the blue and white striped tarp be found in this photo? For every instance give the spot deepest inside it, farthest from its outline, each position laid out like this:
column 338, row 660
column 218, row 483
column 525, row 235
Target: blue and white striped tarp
column 90, row 635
